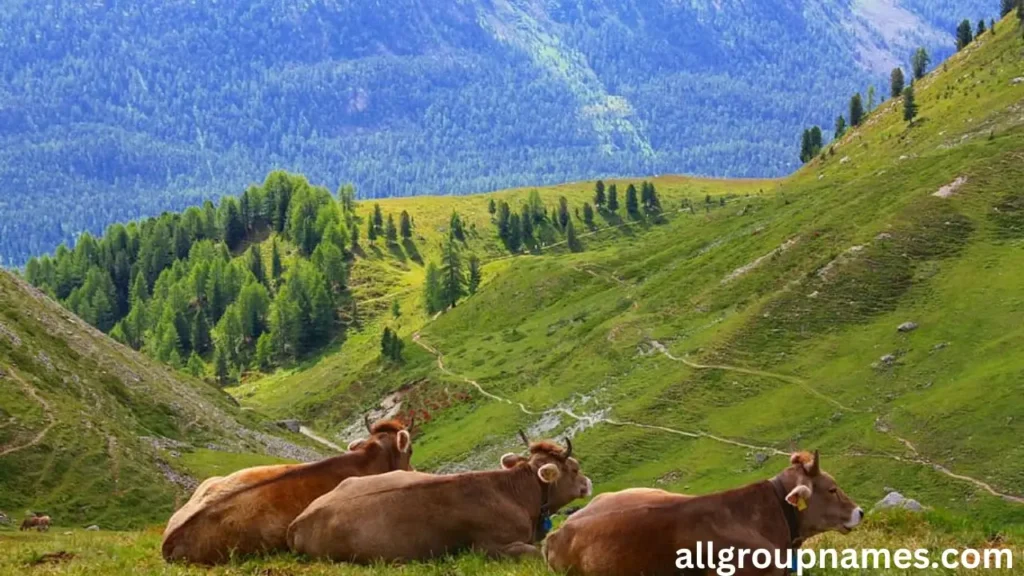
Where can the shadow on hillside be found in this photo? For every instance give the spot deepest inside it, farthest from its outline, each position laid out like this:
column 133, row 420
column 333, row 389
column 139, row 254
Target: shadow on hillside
column 396, row 251
column 414, row 254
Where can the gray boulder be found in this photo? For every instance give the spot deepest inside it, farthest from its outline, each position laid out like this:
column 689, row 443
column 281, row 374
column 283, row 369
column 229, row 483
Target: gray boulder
column 896, row 500
column 93, row 528
column 290, row 425
column 907, row 327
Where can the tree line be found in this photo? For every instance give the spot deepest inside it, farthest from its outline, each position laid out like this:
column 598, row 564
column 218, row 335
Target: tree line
column 199, row 286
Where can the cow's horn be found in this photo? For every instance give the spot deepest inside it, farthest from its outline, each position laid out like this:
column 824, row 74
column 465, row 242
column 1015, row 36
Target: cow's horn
column 366, row 420
column 412, row 422
column 816, row 466
column 525, row 439
column 568, row 449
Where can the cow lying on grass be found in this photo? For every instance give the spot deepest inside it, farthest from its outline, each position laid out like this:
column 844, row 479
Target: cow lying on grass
column 405, row 516
column 640, row 531
column 249, row 511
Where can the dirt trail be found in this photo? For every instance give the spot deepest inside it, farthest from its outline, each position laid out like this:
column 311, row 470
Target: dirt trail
column 46, row 410
column 589, row 419
column 308, row 433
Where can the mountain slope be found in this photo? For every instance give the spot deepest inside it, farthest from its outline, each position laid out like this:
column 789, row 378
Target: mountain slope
column 693, row 354
column 93, row 433
column 148, row 105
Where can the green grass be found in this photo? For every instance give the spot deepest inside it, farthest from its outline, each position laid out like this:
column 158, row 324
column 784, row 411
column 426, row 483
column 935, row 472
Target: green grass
column 791, row 292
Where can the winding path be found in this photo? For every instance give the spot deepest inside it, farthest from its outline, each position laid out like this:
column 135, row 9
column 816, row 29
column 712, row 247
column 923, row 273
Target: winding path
column 308, row 433
column 46, row 410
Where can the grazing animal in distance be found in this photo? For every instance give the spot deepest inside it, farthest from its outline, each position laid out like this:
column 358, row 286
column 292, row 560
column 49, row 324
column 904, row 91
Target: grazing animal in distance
column 410, row 516
column 644, row 531
column 248, row 512
column 40, row 523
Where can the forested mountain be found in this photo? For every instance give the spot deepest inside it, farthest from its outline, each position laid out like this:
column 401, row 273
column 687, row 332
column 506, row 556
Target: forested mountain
column 114, row 110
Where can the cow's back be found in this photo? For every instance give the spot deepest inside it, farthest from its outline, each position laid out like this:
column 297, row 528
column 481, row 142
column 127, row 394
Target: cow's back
column 242, row 513
column 620, row 533
column 398, row 516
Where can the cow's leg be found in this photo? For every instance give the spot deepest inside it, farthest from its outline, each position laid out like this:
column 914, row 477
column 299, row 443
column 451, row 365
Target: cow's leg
column 513, row 550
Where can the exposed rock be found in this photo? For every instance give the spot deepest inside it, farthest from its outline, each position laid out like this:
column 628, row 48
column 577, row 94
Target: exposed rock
column 907, row 327
column 186, row 482
column 888, row 359
column 884, row 236
column 940, row 346
column 290, row 425
column 1017, row 80
column 10, row 335
column 844, row 160
column 93, row 528
column 896, row 500
column 951, row 188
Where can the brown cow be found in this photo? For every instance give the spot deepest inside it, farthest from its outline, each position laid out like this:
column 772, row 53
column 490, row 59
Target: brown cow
column 406, row 516
column 249, row 511
column 40, row 523
column 646, row 532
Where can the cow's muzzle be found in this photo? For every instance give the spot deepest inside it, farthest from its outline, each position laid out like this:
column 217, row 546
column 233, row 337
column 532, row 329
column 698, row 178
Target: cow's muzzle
column 855, row 519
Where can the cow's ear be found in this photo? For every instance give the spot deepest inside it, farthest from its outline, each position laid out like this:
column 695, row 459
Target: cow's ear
column 510, row 460
column 404, row 441
column 548, row 473
column 353, row 444
column 799, row 496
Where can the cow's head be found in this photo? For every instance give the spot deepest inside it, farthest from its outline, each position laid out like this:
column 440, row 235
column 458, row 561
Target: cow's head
column 821, row 505
column 556, row 468
column 389, row 442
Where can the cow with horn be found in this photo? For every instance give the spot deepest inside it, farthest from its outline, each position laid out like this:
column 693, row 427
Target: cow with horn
column 409, row 516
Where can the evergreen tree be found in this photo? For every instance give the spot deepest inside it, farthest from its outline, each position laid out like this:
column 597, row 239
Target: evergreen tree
column 981, row 28
column 1006, row 6
column 220, row 367
column 599, row 194
column 371, row 233
column 896, row 82
column 613, row 198
column 563, row 211
column 378, row 219
column 275, row 261
column 285, row 322
column 355, row 236
column 871, row 98
column 491, row 207
column 433, row 297
column 452, row 278
column 964, row 35
column 254, row 262
column 856, row 110
column 331, row 263
column 265, row 351
column 536, row 206
column 405, row 223
column 816, row 140
column 805, row 146
column 503, row 219
column 514, row 242
column 230, row 217
column 474, row 274
column 909, row 106
column 588, row 214
column 632, row 202
column 253, row 305
column 139, row 291
column 200, row 332
column 653, row 203
column 347, row 197
column 526, row 222
column 920, row 60
column 386, row 348
column 455, row 227
column 840, row 127
column 391, row 232
column 396, row 309
column 570, row 237
column 195, row 366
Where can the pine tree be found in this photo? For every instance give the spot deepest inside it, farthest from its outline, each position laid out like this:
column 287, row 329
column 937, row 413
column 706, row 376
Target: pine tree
column 220, row 367
column 396, row 309
column 981, row 28
column 355, row 236
column 405, row 223
column 199, row 337
column 856, row 110
column 632, row 202
column 840, row 128
column 570, row 237
column 920, row 60
column 232, row 228
column 455, row 227
column 378, row 219
column 503, row 218
column 391, row 232
column 275, row 261
column 515, row 234
column 805, row 146
column 909, row 106
column 139, row 291
column 265, row 351
column 254, row 261
column 964, row 35
column 536, row 206
column 588, row 214
column 896, row 82
column 871, row 98
column 526, row 223
column 195, row 366
column 613, row 198
column 599, row 194
column 433, row 297
column 653, row 202
column 563, row 211
column 816, row 140
column 371, row 233
column 491, row 207
column 386, row 347
column 474, row 274
column 1006, row 6
column 452, row 278
column 331, row 263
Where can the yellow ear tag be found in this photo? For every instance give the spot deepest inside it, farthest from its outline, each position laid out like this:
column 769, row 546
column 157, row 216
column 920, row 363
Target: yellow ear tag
column 801, row 504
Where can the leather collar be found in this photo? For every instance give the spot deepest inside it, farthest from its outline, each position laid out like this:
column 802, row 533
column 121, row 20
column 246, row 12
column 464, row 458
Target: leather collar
column 792, row 521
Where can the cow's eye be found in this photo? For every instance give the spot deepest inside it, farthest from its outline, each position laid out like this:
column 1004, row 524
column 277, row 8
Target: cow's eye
column 833, row 490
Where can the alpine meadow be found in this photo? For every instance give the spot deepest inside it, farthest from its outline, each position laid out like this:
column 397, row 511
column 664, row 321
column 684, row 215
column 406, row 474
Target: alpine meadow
column 687, row 333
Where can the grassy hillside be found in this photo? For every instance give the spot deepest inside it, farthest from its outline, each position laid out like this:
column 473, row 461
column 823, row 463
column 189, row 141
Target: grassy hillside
column 92, row 432
column 691, row 354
